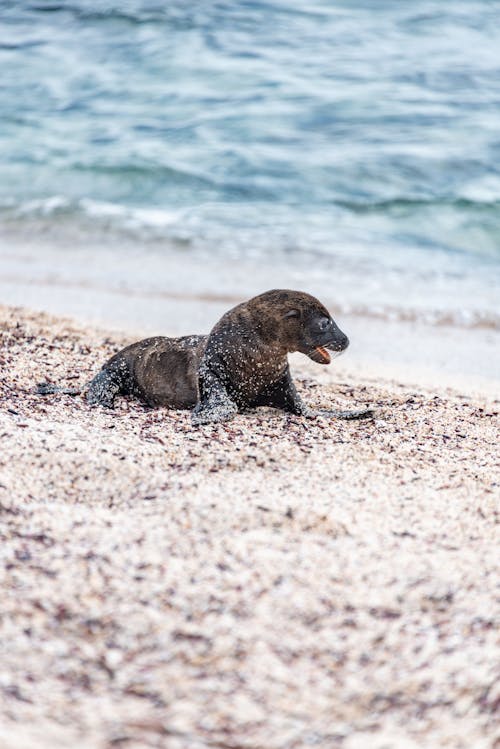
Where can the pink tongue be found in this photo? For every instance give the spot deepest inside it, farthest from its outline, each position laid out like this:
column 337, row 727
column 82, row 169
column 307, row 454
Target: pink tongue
column 324, row 354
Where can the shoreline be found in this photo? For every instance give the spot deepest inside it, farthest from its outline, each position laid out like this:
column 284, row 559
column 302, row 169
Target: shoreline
column 390, row 352
column 176, row 293
column 256, row 583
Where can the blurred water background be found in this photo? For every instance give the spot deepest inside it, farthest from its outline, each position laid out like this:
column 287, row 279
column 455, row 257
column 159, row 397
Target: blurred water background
column 354, row 143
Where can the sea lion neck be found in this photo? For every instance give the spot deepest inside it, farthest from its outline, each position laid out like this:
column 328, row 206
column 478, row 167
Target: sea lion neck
column 262, row 324
column 266, row 337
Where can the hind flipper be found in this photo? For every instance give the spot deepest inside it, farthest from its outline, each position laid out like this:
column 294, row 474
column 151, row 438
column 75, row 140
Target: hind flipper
column 47, row 388
column 104, row 388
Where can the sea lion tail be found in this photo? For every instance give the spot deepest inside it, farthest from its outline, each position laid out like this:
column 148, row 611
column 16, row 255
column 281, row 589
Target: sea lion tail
column 46, row 388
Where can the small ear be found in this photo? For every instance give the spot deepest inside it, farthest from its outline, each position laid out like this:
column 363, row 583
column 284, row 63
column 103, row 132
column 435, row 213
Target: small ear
column 292, row 313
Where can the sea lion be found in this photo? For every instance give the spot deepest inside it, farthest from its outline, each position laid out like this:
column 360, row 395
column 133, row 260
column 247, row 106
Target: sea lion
column 241, row 364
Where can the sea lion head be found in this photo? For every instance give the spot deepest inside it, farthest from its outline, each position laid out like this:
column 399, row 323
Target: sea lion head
column 305, row 325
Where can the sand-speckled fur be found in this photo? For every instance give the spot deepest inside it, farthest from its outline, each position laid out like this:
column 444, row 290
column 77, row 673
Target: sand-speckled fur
column 241, row 364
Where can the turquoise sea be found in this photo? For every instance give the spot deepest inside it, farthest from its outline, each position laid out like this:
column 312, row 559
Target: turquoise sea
column 356, row 140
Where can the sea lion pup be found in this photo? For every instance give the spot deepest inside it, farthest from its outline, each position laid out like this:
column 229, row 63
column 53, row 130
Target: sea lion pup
column 241, row 364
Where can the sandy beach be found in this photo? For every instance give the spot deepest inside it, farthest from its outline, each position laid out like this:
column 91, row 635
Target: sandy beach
column 272, row 582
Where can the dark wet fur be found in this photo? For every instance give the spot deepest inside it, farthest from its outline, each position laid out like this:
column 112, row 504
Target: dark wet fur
column 243, row 363
column 159, row 371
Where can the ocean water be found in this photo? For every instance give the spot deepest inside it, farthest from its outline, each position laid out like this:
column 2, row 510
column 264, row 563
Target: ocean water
column 356, row 142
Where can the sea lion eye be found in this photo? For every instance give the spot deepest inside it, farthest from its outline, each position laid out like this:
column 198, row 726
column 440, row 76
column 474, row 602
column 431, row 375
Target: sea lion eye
column 292, row 313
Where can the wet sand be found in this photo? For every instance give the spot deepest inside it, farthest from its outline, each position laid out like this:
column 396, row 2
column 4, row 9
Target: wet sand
column 272, row 582
column 162, row 289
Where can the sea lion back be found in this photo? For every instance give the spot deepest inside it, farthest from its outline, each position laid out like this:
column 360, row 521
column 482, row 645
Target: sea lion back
column 165, row 372
column 161, row 371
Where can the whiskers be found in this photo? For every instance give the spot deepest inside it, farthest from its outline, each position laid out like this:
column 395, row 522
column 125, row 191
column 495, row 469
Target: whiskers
column 334, row 354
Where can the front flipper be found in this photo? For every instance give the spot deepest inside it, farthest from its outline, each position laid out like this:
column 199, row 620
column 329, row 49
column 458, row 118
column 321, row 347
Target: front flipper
column 215, row 405
column 361, row 413
column 283, row 394
column 47, row 388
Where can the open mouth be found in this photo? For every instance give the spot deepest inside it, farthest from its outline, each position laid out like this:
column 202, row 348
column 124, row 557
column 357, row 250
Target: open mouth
column 320, row 355
column 325, row 356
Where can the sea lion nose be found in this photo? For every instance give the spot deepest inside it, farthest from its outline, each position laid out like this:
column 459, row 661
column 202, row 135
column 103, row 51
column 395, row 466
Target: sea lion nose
column 338, row 341
column 344, row 342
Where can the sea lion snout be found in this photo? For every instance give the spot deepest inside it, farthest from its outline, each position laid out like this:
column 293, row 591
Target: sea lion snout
column 338, row 340
column 326, row 336
column 337, row 344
